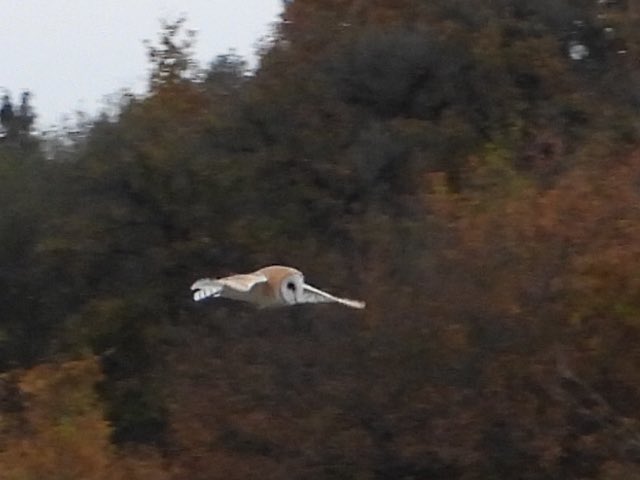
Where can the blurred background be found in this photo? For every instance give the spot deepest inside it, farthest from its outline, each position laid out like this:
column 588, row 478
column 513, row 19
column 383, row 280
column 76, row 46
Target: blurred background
column 469, row 168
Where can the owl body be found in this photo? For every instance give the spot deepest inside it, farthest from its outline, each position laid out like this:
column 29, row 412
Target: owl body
column 272, row 286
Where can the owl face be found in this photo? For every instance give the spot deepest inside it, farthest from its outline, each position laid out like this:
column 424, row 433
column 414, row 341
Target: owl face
column 292, row 289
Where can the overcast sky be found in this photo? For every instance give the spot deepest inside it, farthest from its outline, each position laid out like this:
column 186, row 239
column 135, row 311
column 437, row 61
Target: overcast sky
column 72, row 53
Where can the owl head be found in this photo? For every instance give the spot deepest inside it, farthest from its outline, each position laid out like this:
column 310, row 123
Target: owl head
column 292, row 289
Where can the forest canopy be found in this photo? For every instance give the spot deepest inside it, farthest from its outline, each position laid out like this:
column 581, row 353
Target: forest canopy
column 469, row 168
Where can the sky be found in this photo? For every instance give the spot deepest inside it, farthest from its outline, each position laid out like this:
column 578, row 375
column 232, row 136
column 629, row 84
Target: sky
column 71, row 54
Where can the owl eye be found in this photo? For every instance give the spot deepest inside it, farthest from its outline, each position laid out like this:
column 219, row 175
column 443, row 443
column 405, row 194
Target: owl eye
column 291, row 286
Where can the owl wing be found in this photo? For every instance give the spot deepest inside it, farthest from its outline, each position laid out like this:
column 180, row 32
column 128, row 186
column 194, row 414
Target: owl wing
column 231, row 287
column 314, row 295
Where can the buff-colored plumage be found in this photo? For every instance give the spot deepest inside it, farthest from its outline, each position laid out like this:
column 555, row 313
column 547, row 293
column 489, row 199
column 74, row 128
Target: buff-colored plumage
column 268, row 287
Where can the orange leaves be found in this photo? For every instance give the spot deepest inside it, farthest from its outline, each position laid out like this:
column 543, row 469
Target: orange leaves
column 65, row 434
column 560, row 264
column 590, row 220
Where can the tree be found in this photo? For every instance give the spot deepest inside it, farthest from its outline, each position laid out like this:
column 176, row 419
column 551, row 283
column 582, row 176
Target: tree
column 63, row 433
column 17, row 125
column 171, row 61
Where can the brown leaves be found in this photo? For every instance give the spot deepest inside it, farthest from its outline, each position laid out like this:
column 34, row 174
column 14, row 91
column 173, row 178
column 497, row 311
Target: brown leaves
column 64, row 433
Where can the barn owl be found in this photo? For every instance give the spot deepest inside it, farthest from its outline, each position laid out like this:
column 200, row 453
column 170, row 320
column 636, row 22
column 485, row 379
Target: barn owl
column 268, row 287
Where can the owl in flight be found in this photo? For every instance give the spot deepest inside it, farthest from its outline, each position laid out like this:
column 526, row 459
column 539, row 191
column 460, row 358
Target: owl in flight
column 272, row 286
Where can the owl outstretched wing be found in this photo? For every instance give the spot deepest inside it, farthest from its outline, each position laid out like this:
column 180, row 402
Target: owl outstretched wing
column 231, row 287
column 314, row 295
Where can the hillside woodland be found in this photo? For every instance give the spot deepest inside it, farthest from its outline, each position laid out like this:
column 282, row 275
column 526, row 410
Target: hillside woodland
column 469, row 168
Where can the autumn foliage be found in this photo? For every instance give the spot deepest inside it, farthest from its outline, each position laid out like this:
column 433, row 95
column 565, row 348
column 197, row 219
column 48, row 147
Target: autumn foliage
column 471, row 169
